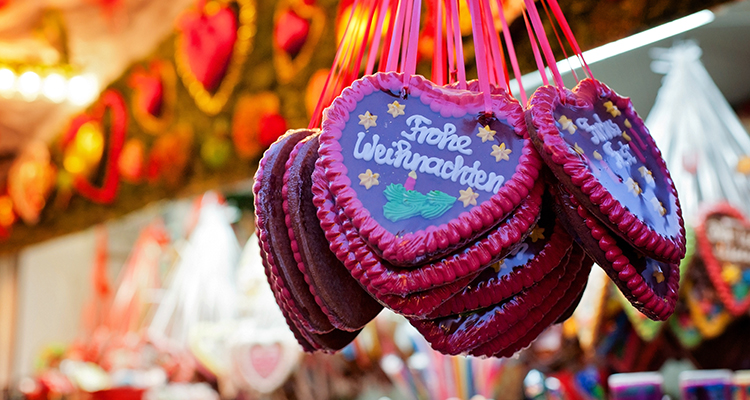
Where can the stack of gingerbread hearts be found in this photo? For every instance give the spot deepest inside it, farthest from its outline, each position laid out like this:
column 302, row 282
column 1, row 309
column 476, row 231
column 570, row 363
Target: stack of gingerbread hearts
column 613, row 189
column 432, row 198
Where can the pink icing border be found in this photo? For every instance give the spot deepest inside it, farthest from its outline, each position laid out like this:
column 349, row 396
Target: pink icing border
column 641, row 295
column 383, row 279
column 433, row 241
column 504, row 347
column 484, row 294
column 573, row 170
column 350, row 249
column 735, row 307
column 501, row 318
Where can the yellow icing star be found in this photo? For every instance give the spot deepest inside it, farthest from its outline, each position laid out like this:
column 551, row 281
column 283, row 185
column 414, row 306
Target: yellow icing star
column 633, row 187
column 658, row 206
column 486, row 133
column 597, row 155
column 731, row 274
column 498, row 266
column 658, row 275
column 627, row 124
column 612, row 109
column 500, row 152
column 743, row 165
column 536, row 234
column 368, row 179
column 368, row 120
column 567, row 125
column 468, row 197
column 396, row 109
column 626, row 136
column 647, row 175
column 578, row 149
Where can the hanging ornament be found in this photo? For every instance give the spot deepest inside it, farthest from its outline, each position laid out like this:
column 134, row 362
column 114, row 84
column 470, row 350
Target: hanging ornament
column 84, row 146
column 169, row 156
column 214, row 41
column 132, row 160
column 154, row 96
column 217, row 148
column 706, row 309
column 722, row 234
column 31, row 179
column 298, row 25
column 256, row 123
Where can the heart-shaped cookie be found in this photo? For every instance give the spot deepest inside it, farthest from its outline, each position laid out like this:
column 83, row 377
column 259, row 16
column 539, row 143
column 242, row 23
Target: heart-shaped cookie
column 421, row 170
column 209, row 344
column 703, row 301
column 650, row 285
column 212, row 46
column 298, row 25
column 266, row 361
column 111, row 101
column 722, row 234
column 599, row 148
column 155, row 94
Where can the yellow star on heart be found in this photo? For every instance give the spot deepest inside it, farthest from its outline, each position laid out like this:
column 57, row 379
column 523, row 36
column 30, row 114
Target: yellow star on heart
column 578, row 149
column 486, row 133
column 597, row 155
column 567, row 125
column 731, row 273
column 368, row 120
column 633, row 187
column 658, row 275
column 368, row 179
column 647, row 175
column 658, row 207
column 500, row 152
column 396, row 109
column 612, row 109
column 536, row 234
column 468, row 197
column 498, row 266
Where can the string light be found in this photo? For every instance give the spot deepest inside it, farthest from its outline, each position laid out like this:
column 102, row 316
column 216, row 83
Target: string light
column 55, row 87
column 7, row 82
column 83, row 89
column 29, row 85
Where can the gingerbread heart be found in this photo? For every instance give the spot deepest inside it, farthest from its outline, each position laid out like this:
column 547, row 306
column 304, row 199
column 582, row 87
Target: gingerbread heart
column 298, row 26
column 154, row 98
column 599, row 148
column 111, row 101
column 703, row 301
column 212, row 46
column 421, row 170
column 722, row 234
column 264, row 363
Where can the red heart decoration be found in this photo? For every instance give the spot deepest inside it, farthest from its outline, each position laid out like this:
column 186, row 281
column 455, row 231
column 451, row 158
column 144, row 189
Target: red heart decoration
column 208, row 42
column 265, row 359
column 149, row 91
column 111, row 100
column 723, row 235
column 290, row 32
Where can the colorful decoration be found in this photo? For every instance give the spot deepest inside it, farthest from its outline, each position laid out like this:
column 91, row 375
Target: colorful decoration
column 154, row 97
column 169, row 156
column 211, row 49
column 256, row 123
column 723, row 236
column 132, row 161
column 84, row 145
column 298, row 26
column 30, row 181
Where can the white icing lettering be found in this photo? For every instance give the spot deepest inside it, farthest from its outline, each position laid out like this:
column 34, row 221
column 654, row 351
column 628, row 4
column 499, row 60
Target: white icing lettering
column 623, row 157
column 445, row 138
column 600, row 131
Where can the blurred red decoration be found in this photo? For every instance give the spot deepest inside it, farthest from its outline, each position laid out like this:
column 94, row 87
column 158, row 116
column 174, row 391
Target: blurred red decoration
column 208, row 42
column 290, row 32
column 131, row 161
column 271, row 126
column 149, row 90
